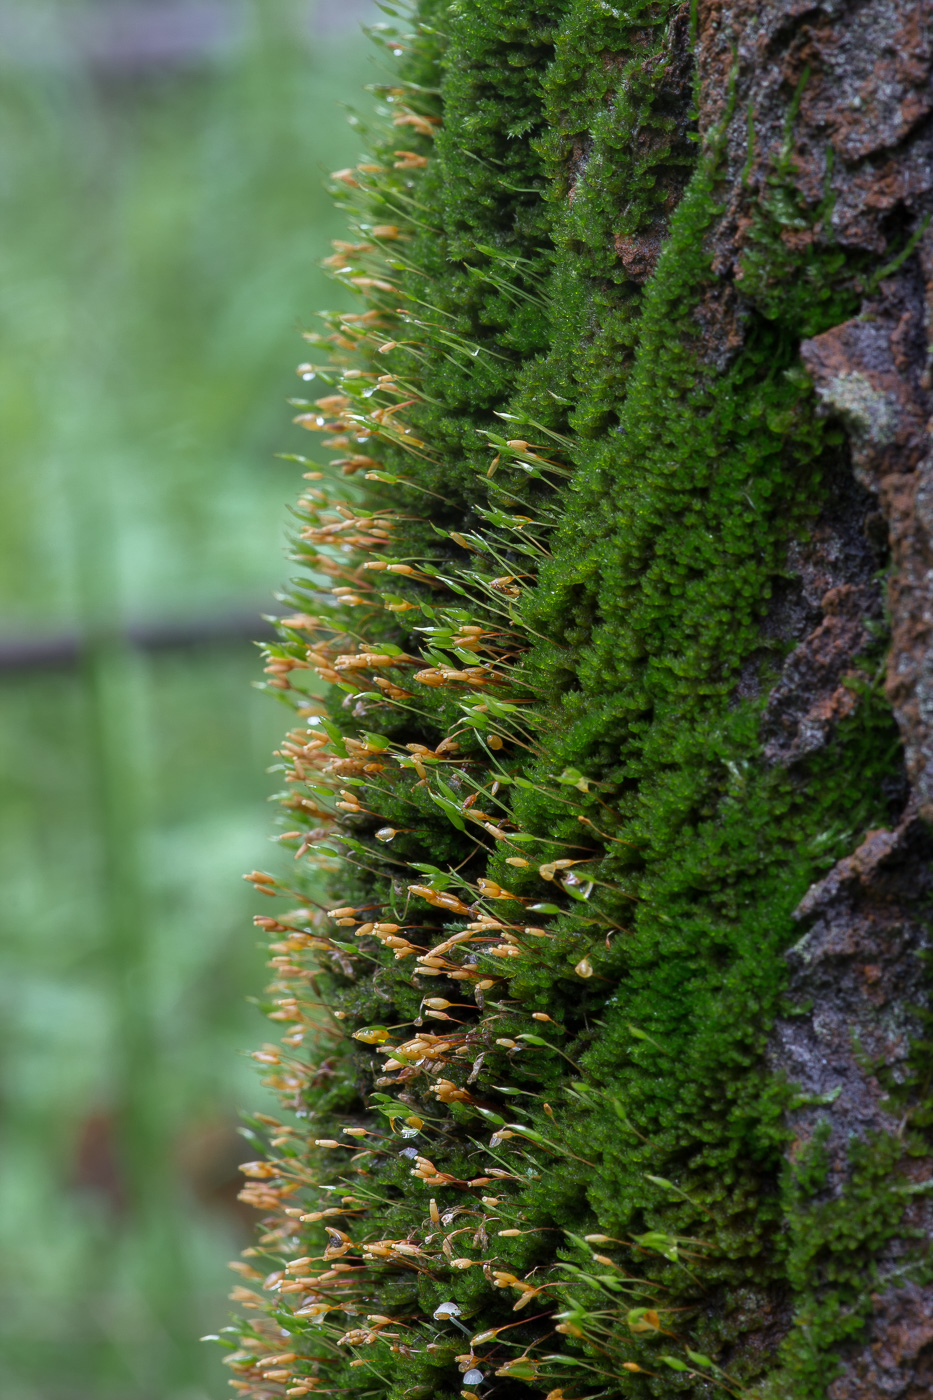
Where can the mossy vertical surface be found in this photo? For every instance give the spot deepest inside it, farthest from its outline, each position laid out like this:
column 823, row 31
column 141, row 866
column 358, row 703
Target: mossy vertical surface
column 561, row 872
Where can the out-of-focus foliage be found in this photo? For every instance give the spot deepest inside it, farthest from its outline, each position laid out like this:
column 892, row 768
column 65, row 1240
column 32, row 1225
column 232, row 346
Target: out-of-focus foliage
column 160, row 232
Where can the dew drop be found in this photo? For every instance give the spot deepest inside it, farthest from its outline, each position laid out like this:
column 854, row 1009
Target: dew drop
column 446, row 1310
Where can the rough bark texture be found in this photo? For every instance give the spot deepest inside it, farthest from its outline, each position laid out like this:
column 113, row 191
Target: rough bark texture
column 838, row 98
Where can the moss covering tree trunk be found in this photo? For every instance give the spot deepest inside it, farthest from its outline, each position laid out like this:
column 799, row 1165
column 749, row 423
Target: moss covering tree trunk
column 605, row 963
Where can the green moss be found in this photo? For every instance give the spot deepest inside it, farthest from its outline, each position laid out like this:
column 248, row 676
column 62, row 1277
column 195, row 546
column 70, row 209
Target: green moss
column 607, row 515
column 835, row 1243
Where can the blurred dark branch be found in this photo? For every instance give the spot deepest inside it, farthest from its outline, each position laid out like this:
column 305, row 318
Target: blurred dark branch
column 65, row 650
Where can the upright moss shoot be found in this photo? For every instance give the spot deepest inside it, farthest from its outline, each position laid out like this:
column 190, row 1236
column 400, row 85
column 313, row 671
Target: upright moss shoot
column 534, row 1141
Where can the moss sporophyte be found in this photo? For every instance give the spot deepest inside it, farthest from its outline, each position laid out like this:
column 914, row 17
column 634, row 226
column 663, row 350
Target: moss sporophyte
column 544, row 876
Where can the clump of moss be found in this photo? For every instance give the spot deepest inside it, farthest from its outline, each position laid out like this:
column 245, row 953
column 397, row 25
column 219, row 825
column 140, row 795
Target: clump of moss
column 535, row 1140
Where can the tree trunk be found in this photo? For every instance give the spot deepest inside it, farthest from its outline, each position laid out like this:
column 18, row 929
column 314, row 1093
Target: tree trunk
column 642, row 392
column 837, row 100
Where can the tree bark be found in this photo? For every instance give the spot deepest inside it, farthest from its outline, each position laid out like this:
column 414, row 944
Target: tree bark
column 714, row 620
column 838, row 100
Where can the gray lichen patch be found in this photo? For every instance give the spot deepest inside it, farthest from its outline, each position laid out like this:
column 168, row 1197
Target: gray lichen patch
column 870, row 414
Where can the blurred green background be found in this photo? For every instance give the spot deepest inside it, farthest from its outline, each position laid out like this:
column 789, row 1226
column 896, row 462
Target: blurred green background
column 161, row 183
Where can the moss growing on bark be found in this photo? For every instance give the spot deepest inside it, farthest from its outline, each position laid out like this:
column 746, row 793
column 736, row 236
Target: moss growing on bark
column 537, row 1139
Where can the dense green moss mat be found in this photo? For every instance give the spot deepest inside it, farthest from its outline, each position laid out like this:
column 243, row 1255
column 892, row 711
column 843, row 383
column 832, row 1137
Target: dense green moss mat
column 539, row 1144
